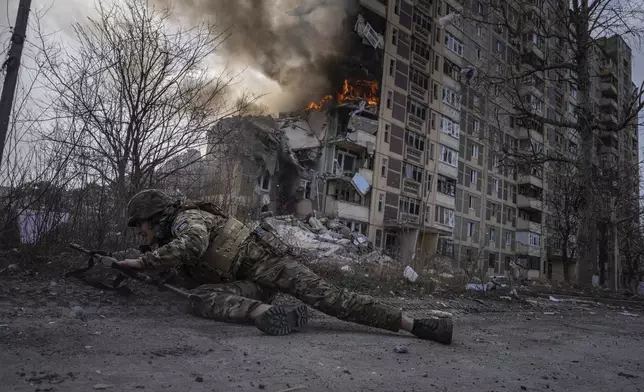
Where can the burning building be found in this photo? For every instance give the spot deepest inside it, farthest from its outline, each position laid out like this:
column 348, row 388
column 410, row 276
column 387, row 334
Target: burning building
column 363, row 149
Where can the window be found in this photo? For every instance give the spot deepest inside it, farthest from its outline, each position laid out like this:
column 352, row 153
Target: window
column 499, row 46
column 306, row 185
column 265, row 181
column 451, row 98
column 479, row 53
column 492, row 234
column 535, row 239
column 475, row 150
column 378, row 238
column 416, row 109
column 476, row 101
column 419, row 79
column 413, row 172
column 474, row 177
column 415, row 140
column 445, row 216
column 495, row 185
column 421, row 20
column 446, row 186
column 429, row 182
column 470, row 229
column 476, row 127
column 449, row 156
column 479, row 30
column 345, row 191
column 392, row 67
column 397, row 7
column 383, row 168
column 345, row 162
column 479, row 7
column 452, row 70
column 394, row 37
column 409, row 205
column 470, row 202
column 508, row 238
column 453, row 44
column 449, row 127
column 387, row 130
column 390, row 97
column 491, row 260
column 421, row 49
column 381, row 202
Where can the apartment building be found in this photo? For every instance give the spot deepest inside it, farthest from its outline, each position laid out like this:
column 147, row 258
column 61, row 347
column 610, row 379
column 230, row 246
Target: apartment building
column 439, row 183
column 420, row 170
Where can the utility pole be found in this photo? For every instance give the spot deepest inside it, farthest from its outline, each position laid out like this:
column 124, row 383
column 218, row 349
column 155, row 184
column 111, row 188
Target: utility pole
column 13, row 65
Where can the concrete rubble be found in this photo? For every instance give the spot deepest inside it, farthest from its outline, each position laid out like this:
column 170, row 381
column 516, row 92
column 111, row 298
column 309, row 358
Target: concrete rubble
column 325, row 239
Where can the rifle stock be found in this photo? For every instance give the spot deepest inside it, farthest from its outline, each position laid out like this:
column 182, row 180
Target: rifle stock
column 129, row 272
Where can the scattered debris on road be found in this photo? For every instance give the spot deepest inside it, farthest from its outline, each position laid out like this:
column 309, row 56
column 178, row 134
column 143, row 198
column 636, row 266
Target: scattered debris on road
column 401, row 349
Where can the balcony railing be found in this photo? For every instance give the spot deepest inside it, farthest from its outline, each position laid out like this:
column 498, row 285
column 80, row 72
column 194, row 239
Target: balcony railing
column 416, row 123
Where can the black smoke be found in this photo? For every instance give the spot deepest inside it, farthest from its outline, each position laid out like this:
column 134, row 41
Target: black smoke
column 301, row 50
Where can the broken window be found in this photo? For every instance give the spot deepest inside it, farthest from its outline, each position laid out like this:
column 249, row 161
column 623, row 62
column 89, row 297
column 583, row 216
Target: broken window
column 416, row 109
column 445, row 216
column 449, row 156
column 452, row 70
column 413, row 172
column 415, row 140
column 345, row 162
column 421, row 49
column 345, row 191
column 419, row 79
column 449, row 127
column 264, row 181
column 306, row 187
column 422, row 20
column 446, row 186
column 409, row 205
column 451, row 98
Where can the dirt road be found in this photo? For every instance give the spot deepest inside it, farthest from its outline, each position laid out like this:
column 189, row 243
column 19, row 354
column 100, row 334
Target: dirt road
column 114, row 343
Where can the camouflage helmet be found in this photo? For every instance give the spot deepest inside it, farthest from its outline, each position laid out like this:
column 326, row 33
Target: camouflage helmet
column 146, row 204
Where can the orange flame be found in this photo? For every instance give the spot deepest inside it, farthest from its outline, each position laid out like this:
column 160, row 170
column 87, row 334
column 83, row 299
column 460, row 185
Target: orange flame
column 366, row 90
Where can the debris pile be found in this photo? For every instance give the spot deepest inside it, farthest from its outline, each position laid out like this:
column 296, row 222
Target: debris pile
column 324, row 239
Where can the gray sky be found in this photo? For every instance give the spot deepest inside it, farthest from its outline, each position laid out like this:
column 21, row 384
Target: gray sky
column 57, row 16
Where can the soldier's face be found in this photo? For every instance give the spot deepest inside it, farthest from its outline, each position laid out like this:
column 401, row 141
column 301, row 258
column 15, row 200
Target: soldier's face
column 147, row 233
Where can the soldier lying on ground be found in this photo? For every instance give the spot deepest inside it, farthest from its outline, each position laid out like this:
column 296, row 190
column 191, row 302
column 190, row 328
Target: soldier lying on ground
column 238, row 272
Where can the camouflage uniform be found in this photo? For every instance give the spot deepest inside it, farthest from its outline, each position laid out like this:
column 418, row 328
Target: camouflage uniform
column 193, row 242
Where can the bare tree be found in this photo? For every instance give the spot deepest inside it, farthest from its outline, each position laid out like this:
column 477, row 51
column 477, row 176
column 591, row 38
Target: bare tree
column 134, row 93
column 563, row 201
column 543, row 79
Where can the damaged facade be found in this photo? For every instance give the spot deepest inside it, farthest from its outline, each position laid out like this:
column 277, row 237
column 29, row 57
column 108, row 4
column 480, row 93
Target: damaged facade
column 405, row 150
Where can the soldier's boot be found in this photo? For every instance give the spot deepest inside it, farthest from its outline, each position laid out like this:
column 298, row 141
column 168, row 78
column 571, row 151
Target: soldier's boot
column 282, row 320
column 438, row 329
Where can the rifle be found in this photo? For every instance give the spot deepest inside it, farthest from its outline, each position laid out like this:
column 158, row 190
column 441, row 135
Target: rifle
column 101, row 256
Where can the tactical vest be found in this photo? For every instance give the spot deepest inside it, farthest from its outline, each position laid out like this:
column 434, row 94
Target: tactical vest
column 224, row 242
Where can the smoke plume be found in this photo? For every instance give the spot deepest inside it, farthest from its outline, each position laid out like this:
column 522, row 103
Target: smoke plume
column 294, row 43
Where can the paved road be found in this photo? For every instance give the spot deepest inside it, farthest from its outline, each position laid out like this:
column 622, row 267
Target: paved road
column 126, row 345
